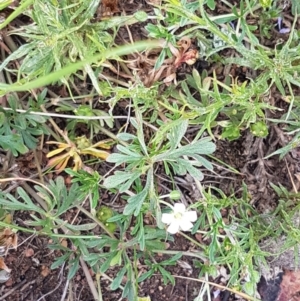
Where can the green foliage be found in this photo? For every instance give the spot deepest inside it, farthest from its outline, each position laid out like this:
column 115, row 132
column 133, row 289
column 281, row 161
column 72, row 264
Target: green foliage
column 118, row 257
column 291, row 127
column 237, row 249
column 241, row 105
column 259, row 129
column 84, row 110
column 164, row 147
column 57, row 39
column 19, row 131
column 66, row 43
column 159, row 267
column 104, row 214
column 144, row 97
column 295, row 7
column 16, row 12
column 5, row 3
column 89, row 184
column 54, row 199
column 266, row 3
column 73, row 67
column 13, row 143
column 265, row 22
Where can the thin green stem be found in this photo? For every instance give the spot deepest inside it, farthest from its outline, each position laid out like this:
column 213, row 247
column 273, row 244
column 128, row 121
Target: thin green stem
column 199, row 255
column 66, row 115
column 96, row 221
column 192, row 240
column 26, row 230
column 166, row 203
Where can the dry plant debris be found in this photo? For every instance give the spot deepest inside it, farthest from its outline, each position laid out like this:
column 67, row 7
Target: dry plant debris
column 216, row 232
column 144, row 63
column 8, row 239
column 65, row 151
column 108, row 7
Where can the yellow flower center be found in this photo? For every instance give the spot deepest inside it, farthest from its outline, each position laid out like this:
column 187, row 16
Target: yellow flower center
column 178, row 215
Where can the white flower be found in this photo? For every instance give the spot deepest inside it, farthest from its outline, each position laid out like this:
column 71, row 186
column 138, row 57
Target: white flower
column 179, row 219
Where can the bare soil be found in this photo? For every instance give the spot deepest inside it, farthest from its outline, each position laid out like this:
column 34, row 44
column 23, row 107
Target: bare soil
column 32, row 278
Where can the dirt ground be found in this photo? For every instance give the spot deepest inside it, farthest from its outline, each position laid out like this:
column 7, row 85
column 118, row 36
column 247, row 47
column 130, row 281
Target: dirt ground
column 32, row 278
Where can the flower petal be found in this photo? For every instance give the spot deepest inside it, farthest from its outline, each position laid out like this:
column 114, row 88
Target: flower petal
column 167, row 218
column 190, row 216
column 179, row 208
column 185, row 225
column 173, row 228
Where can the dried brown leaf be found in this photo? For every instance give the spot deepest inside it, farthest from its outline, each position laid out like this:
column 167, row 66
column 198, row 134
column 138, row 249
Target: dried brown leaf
column 8, row 238
column 143, row 63
column 109, row 7
column 3, row 266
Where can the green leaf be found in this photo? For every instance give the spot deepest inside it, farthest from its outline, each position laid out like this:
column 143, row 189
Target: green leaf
column 284, row 150
column 126, row 136
column 211, row 4
column 68, row 199
column 172, row 260
column 135, row 203
column 202, row 146
column 91, row 257
column 166, row 276
column 145, row 276
column 177, row 132
column 106, row 264
column 28, row 201
column 73, row 268
column 82, row 246
column 138, row 124
column 84, row 227
column 154, row 245
column 188, row 166
column 129, row 291
column 16, row 12
column 141, row 16
column 127, row 151
column 295, row 7
column 141, row 237
column 118, row 279
column 59, row 261
column 14, row 143
column 203, row 162
column 93, row 78
column 117, row 259
column 14, row 204
column 119, row 159
column 160, row 59
column 250, row 288
column 125, row 186
column 120, row 177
